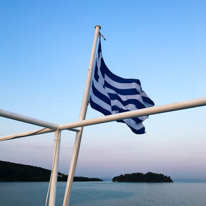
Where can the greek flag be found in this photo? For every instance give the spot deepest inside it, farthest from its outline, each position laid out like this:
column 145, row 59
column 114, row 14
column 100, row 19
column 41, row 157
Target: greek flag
column 111, row 94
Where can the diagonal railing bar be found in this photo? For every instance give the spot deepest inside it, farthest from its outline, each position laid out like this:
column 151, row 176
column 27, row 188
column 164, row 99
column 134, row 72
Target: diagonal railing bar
column 141, row 112
column 31, row 133
column 26, row 119
column 30, row 120
column 27, row 134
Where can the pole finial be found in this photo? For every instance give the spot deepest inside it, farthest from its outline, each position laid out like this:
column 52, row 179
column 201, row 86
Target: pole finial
column 98, row 26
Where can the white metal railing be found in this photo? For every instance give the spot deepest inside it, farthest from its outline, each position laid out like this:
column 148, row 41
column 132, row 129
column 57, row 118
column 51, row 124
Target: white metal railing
column 114, row 117
column 81, row 123
column 78, row 127
column 48, row 127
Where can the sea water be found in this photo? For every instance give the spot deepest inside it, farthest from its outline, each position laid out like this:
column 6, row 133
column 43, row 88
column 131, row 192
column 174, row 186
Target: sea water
column 106, row 194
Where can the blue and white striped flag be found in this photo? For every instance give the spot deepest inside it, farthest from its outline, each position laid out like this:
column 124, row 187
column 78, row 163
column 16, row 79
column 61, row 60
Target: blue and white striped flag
column 110, row 94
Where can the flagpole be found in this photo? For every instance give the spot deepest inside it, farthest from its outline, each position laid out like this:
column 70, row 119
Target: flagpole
column 81, row 117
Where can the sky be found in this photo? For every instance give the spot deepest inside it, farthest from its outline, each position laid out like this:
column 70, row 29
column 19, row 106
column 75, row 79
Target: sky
column 45, row 48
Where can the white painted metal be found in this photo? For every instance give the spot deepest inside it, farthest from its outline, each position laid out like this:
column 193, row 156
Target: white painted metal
column 31, row 133
column 81, row 117
column 148, row 111
column 26, row 134
column 141, row 112
column 26, row 119
column 54, row 172
column 31, row 120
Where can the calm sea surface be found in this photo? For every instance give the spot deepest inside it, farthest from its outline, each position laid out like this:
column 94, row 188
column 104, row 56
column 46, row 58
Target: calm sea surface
column 106, row 194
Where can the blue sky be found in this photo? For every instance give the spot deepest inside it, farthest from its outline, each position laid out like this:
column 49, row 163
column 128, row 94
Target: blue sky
column 45, row 48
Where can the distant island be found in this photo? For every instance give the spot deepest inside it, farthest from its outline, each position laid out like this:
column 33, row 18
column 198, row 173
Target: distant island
column 13, row 172
column 140, row 177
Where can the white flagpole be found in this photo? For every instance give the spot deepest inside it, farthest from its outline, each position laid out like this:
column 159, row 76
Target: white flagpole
column 54, row 172
column 81, row 117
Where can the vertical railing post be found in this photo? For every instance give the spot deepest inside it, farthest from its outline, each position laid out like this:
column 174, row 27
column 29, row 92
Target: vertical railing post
column 81, row 117
column 54, row 173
